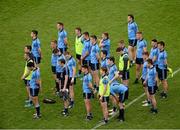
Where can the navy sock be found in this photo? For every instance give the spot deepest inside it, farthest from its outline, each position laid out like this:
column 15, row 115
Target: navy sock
column 38, row 110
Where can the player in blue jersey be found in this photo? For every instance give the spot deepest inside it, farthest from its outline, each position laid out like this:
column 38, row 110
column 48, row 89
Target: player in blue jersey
column 141, row 47
column 151, row 84
column 64, row 86
column 105, row 43
column 121, row 44
column 35, row 87
column 154, row 52
column 36, row 47
column 71, row 64
column 85, row 57
column 95, row 61
column 112, row 71
column 143, row 78
column 162, row 68
column 104, row 59
column 62, row 37
column 54, row 57
column 87, row 91
column 120, row 94
column 132, row 30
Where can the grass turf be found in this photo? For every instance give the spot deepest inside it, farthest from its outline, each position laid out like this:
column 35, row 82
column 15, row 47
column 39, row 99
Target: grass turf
column 157, row 19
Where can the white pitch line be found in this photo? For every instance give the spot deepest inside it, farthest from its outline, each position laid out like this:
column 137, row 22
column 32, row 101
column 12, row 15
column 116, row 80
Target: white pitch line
column 129, row 104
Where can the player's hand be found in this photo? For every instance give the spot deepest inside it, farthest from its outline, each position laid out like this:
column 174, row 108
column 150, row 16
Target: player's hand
column 101, row 98
column 144, row 83
column 64, row 89
column 22, row 78
column 72, row 80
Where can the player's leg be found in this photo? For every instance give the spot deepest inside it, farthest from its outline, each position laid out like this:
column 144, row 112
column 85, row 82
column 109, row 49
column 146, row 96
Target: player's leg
column 88, row 105
column 104, row 108
column 71, row 92
column 138, row 68
column 121, row 106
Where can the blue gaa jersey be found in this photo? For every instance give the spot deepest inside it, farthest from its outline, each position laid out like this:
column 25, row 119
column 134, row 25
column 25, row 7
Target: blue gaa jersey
column 35, row 76
column 104, row 63
column 141, row 44
column 86, row 48
column 35, row 46
column 87, row 79
column 162, row 56
column 94, row 52
column 153, row 53
column 71, row 63
column 144, row 70
column 62, row 34
column 58, row 67
column 132, row 30
column 118, row 89
column 151, row 77
column 106, row 46
column 112, row 70
column 54, row 58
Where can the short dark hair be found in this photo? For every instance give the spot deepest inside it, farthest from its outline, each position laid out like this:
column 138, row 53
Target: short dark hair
column 85, row 66
column 28, row 47
column 86, row 33
column 94, row 37
column 106, row 34
column 54, row 41
column 161, row 43
column 119, row 49
column 139, row 32
column 78, row 28
column 146, row 53
column 154, row 40
column 150, row 61
column 30, row 64
column 55, row 51
column 35, row 32
column 62, row 61
column 104, row 69
column 60, row 23
column 131, row 15
column 112, row 59
column 104, row 52
column 121, row 41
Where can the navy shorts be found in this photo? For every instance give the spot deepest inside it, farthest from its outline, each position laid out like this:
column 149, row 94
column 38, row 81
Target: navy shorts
column 139, row 61
column 125, row 75
column 62, row 50
column 53, row 69
column 34, row 92
column 86, row 62
column 152, row 90
column 123, row 96
column 94, row 67
column 162, row 74
column 132, row 42
column 26, row 82
column 87, row 95
column 37, row 60
column 78, row 56
column 69, row 82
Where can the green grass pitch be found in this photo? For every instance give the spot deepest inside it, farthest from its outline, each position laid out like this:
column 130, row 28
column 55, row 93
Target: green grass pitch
column 156, row 18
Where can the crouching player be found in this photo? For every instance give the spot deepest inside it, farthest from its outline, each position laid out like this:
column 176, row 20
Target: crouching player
column 35, row 86
column 104, row 92
column 64, row 87
column 87, row 91
column 122, row 91
column 151, row 83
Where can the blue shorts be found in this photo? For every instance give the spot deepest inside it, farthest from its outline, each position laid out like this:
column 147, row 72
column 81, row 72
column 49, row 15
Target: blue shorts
column 94, row 67
column 37, row 60
column 123, row 96
column 152, row 90
column 26, row 82
column 162, row 74
column 53, row 69
column 63, row 50
column 132, row 42
column 86, row 62
column 34, row 92
column 87, row 95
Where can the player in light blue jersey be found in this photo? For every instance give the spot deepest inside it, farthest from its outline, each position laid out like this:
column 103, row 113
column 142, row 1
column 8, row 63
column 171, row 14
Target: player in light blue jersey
column 62, row 37
column 132, row 30
column 120, row 94
column 154, row 52
column 36, row 47
column 71, row 64
column 95, row 61
column 105, row 43
column 141, row 47
column 104, row 59
column 85, row 57
column 151, row 84
column 87, row 91
column 35, row 87
column 162, row 68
